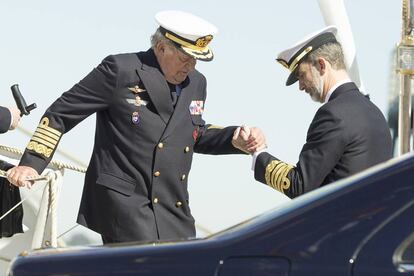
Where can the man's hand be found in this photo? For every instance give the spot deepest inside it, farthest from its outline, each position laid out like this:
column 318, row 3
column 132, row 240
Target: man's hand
column 249, row 139
column 240, row 138
column 18, row 176
column 15, row 115
column 257, row 140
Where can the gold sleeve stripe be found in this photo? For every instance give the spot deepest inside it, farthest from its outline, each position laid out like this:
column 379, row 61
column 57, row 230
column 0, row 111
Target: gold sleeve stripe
column 269, row 172
column 278, row 172
column 44, row 124
column 215, row 127
column 272, row 172
column 46, row 143
column 50, row 134
column 49, row 129
column 276, row 175
column 285, row 181
column 46, row 138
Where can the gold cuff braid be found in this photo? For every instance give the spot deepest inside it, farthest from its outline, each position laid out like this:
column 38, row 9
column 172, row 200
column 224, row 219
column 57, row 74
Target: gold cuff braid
column 276, row 175
column 45, row 139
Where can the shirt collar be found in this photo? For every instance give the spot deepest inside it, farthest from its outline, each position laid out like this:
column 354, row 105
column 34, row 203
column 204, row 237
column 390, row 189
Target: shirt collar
column 333, row 88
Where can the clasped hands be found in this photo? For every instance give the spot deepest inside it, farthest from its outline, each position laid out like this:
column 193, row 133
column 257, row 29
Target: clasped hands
column 249, row 139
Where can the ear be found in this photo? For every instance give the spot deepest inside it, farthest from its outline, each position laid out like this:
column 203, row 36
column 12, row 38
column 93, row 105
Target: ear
column 160, row 47
column 322, row 65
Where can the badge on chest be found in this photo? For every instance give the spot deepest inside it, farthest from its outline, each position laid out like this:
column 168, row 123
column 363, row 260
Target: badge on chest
column 196, row 107
column 138, row 101
column 135, row 118
column 136, row 89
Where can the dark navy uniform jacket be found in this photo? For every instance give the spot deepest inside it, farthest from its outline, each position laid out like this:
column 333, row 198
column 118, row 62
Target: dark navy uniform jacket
column 5, row 119
column 136, row 182
column 347, row 135
column 9, row 194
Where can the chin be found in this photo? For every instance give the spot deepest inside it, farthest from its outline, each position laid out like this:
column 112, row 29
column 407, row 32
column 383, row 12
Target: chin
column 174, row 81
column 316, row 98
column 179, row 80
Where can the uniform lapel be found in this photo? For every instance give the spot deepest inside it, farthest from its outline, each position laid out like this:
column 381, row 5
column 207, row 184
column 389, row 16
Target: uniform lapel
column 156, row 86
column 182, row 106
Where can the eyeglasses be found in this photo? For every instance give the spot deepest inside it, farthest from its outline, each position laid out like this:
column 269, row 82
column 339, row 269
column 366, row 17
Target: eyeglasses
column 183, row 57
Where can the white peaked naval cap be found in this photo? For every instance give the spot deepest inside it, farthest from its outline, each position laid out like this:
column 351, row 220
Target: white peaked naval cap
column 292, row 57
column 190, row 33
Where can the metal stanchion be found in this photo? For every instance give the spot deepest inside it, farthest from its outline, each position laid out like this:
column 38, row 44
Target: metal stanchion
column 405, row 67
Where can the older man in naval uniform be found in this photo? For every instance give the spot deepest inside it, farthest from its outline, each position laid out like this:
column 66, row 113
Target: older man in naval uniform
column 149, row 107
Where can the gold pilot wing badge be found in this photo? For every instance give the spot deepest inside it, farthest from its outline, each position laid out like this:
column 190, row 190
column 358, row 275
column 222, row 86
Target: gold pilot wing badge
column 137, row 101
column 136, row 89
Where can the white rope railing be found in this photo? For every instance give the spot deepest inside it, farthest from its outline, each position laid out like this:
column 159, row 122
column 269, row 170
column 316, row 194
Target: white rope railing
column 53, row 186
column 3, row 174
column 40, row 177
column 54, row 164
column 47, row 208
column 48, row 203
column 60, row 151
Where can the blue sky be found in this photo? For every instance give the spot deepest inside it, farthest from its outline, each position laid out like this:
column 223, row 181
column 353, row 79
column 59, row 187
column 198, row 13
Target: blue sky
column 48, row 46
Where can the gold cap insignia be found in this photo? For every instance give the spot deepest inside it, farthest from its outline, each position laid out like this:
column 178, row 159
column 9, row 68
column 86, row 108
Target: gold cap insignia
column 203, row 41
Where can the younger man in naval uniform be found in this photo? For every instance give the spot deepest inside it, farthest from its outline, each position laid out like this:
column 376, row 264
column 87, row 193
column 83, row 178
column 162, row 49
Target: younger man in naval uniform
column 348, row 133
column 149, row 108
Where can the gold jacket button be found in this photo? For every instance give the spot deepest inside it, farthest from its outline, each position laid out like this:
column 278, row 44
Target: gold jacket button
column 187, row 149
column 160, row 145
column 183, row 177
column 157, row 173
column 178, row 204
column 155, row 200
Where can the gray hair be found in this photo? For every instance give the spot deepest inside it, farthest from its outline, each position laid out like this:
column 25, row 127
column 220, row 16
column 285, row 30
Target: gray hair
column 159, row 37
column 332, row 52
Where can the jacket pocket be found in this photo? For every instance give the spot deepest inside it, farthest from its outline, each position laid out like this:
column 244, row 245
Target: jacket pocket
column 116, row 183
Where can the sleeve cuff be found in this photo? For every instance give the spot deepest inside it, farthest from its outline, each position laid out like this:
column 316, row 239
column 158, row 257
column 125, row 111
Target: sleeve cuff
column 33, row 161
column 254, row 157
column 5, row 119
column 11, row 119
